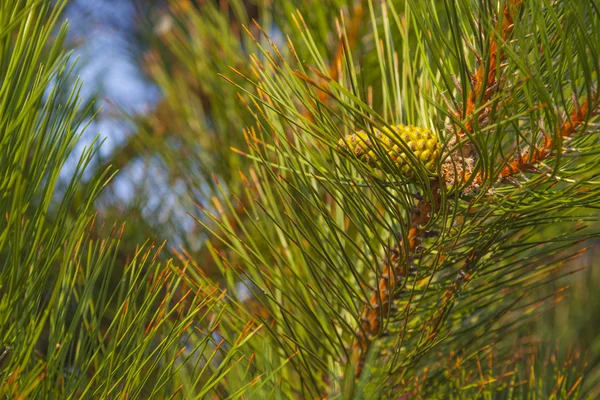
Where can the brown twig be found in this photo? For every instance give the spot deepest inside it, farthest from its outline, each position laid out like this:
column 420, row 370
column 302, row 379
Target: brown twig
column 395, row 268
column 527, row 160
column 335, row 66
column 485, row 83
column 351, row 34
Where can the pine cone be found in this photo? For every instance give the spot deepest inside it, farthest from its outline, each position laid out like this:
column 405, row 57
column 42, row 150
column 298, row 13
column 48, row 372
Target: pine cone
column 422, row 142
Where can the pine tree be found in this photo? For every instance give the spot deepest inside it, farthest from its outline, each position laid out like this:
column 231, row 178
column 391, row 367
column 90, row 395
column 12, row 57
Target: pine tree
column 370, row 269
column 387, row 193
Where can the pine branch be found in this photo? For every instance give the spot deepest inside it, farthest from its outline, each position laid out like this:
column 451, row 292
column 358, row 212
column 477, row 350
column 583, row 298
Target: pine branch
column 529, row 159
column 486, row 84
column 394, row 270
column 323, row 220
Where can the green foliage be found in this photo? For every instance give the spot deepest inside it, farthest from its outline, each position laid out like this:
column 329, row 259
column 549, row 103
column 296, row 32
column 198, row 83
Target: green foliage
column 309, row 273
column 318, row 225
column 75, row 322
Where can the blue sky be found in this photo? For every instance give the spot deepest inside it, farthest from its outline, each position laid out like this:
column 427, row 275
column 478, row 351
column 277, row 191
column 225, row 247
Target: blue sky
column 101, row 33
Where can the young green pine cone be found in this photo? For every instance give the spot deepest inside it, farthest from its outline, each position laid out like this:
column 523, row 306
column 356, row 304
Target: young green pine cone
column 422, row 142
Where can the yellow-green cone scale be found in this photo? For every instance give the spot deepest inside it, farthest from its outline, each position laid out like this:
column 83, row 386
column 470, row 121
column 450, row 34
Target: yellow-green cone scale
column 421, row 142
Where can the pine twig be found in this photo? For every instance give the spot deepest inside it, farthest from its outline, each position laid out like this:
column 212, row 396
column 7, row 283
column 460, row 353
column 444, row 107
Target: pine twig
column 335, row 66
column 352, row 34
column 486, row 84
column 526, row 161
column 394, row 270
